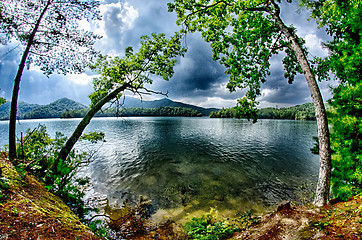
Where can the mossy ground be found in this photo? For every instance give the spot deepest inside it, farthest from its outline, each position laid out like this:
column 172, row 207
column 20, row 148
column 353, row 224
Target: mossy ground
column 29, row 211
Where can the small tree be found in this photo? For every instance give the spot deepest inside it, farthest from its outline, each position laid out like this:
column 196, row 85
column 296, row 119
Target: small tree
column 244, row 35
column 156, row 56
column 49, row 32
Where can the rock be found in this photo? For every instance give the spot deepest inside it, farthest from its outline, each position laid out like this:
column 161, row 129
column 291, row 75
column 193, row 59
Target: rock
column 285, row 205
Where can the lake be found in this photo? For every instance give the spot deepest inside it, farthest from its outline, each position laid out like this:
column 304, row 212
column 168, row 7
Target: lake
column 191, row 164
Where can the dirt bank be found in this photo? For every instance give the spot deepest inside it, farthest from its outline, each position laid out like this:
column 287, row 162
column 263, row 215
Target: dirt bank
column 29, row 211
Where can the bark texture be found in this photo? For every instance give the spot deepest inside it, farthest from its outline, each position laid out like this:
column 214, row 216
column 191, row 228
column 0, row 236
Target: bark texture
column 323, row 186
column 14, row 99
column 64, row 152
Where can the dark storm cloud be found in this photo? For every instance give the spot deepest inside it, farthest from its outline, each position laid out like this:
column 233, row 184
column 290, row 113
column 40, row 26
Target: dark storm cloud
column 196, row 73
column 9, row 56
column 276, row 90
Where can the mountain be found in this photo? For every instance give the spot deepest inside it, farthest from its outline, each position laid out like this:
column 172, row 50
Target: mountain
column 54, row 109
column 165, row 102
column 23, row 108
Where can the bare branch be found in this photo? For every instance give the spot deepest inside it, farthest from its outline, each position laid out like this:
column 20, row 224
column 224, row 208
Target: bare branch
column 148, row 92
column 9, row 51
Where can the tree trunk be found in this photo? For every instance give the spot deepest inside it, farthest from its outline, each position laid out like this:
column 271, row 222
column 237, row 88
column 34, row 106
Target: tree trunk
column 323, row 187
column 14, row 99
column 64, row 152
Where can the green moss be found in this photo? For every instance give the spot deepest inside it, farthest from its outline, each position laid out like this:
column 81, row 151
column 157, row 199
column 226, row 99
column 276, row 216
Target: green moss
column 30, row 202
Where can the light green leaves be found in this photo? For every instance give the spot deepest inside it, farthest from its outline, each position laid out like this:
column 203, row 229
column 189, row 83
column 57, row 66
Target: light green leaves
column 342, row 20
column 346, row 119
column 2, row 101
column 156, row 56
column 243, row 36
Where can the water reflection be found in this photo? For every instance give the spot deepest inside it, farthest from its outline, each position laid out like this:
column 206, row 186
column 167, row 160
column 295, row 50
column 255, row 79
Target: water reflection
column 197, row 163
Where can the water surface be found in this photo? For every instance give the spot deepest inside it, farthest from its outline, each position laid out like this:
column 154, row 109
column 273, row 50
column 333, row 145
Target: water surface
column 196, row 163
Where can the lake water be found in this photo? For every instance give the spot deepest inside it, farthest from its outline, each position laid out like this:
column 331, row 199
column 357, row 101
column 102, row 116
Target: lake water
column 190, row 164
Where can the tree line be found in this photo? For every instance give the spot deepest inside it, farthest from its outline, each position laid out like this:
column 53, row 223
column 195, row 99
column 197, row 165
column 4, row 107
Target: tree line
column 128, row 112
column 300, row 112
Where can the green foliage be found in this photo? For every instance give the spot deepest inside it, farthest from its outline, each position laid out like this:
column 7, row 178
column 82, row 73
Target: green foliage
column 244, row 35
column 2, row 101
column 37, row 151
column 4, row 186
column 346, row 137
column 246, row 108
column 127, row 112
column 208, row 227
column 342, row 20
column 299, row 112
column 54, row 109
column 93, row 137
column 223, row 113
column 247, row 219
column 156, row 56
column 98, row 228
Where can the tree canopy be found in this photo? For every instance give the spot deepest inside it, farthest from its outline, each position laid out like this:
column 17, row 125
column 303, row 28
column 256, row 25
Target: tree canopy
column 59, row 44
column 243, row 38
column 52, row 39
column 342, row 20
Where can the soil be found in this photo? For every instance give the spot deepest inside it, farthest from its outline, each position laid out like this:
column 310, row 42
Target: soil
column 341, row 220
column 29, row 211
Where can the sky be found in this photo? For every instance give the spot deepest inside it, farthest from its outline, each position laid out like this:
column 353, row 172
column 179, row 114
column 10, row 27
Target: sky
column 198, row 80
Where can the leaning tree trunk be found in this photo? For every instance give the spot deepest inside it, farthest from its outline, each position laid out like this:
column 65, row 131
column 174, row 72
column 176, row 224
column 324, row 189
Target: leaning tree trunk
column 14, row 99
column 64, row 152
column 323, row 186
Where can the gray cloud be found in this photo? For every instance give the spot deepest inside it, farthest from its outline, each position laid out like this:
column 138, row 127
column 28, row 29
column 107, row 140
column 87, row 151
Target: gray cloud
column 34, row 86
column 197, row 79
column 9, row 56
column 196, row 73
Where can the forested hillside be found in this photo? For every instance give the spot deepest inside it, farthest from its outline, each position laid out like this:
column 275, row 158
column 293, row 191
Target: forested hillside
column 299, row 112
column 54, row 109
column 66, row 108
column 136, row 103
column 127, row 112
column 23, row 108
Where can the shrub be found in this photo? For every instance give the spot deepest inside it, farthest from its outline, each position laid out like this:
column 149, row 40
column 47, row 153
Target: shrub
column 208, row 227
column 38, row 151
